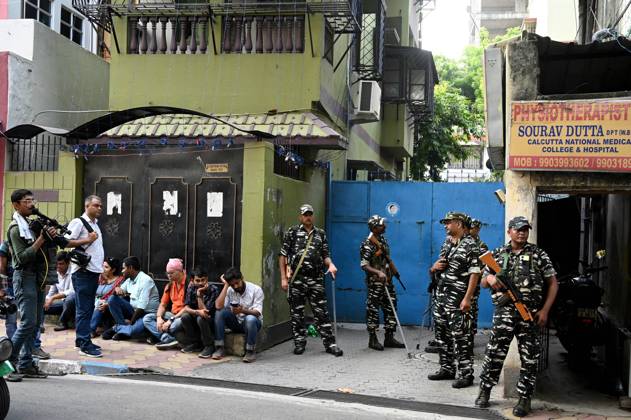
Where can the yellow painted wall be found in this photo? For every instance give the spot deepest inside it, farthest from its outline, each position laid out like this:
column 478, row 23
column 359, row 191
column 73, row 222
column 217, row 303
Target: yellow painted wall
column 67, row 180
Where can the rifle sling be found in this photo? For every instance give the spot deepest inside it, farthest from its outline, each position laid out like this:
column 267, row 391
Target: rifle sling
column 302, row 257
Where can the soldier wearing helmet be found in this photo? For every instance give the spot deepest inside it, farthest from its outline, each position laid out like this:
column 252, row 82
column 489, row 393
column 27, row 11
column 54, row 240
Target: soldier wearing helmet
column 459, row 275
column 374, row 254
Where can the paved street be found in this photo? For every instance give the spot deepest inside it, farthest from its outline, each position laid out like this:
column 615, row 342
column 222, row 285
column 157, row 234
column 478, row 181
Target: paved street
column 360, row 372
column 99, row 398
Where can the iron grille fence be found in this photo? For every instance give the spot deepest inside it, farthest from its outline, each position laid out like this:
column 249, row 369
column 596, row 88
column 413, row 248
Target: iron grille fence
column 40, row 153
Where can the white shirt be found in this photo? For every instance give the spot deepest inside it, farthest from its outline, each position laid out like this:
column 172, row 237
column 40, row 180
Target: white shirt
column 95, row 249
column 64, row 285
column 252, row 298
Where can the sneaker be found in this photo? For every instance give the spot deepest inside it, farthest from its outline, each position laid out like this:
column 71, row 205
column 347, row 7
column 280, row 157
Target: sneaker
column 40, row 354
column 90, row 351
column 32, row 372
column 171, row 345
column 119, row 337
column 207, row 352
column 14, row 377
column 219, row 354
column 152, row 340
column 61, row 327
column 192, row 348
column 108, row 334
column 250, row 357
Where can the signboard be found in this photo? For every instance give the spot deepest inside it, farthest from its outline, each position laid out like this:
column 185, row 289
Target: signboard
column 216, row 168
column 592, row 135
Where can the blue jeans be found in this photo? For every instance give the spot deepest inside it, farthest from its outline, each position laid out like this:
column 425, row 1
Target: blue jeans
column 65, row 308
column 151, row 324
column 122, row 310
column 11, row 324
column 30, row 301
column 100, row 319
column 85, row 284
column 250, row 326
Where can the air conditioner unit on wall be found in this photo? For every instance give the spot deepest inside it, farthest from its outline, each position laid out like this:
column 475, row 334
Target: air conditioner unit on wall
column 368, row 102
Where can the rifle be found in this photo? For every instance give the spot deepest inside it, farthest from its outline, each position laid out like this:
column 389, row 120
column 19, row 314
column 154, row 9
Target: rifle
column 393, row 268
column 510, row 291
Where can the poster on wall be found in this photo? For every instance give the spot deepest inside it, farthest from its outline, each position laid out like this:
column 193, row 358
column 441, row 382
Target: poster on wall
column 576, row 135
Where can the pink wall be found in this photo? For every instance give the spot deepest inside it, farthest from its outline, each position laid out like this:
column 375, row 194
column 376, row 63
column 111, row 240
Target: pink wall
column 4, row 114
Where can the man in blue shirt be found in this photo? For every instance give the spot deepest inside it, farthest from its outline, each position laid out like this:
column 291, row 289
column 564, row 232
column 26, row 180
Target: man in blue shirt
column 143, row 299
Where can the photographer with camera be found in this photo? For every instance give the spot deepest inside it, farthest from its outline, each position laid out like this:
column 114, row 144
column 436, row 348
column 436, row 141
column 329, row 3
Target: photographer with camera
column 87, row 265
column 29, row 244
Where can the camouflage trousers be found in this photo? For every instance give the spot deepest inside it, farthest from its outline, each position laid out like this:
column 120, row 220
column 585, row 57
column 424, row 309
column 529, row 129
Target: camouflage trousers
column 310, row 289
column 474, row 312
column 506, row 324
column 453, row 328
column 378, row 299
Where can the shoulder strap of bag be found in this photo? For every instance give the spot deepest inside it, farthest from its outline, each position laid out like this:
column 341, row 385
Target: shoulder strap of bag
column 302, row 257
column 89, row 229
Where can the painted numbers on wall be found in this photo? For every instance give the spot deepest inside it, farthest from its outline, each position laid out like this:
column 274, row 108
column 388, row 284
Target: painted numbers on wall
column 169, row 205
column 114, row 203
column 214, row 204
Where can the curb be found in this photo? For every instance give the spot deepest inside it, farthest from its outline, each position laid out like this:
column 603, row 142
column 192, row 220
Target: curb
column 60, row 367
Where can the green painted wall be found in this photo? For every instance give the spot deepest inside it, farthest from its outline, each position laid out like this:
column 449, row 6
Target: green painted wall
column 270, row 206
column 67, row 180
column 223, row 83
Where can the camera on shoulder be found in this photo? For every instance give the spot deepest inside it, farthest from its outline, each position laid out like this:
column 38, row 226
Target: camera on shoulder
column 80, row 257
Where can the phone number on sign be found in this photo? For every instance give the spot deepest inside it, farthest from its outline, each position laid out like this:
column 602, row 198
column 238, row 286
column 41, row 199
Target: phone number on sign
column 554, row 162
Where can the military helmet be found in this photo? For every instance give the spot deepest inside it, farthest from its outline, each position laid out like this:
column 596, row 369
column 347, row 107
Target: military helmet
column 476, row 223
column 468, row 221
column 454, row 215
column 376, row 220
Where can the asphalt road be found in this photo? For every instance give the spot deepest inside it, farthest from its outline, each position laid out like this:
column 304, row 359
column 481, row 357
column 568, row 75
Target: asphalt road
column 95, row 398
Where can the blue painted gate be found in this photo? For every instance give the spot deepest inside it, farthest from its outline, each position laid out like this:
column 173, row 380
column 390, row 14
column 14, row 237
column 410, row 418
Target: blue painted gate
column 413, row 211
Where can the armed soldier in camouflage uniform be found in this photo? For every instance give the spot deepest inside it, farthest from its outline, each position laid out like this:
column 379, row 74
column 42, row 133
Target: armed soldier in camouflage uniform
column 374, row 253
column 433, row 346
column 474, row 230
column 458, row 279
column 303, row 257
column 530, row 270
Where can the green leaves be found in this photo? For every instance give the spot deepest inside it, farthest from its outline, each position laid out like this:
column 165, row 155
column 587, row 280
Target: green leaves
column 458, row 111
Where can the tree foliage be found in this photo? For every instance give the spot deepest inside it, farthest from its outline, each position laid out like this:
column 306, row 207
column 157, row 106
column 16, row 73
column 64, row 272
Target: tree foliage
column 458, row 110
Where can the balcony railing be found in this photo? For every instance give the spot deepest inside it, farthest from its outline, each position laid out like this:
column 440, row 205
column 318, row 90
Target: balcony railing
column 193, row 34
column 263, row 34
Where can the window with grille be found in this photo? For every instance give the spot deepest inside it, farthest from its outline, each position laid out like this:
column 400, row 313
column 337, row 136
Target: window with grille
column 71, row 26
column 37, row 154
column 38, row 10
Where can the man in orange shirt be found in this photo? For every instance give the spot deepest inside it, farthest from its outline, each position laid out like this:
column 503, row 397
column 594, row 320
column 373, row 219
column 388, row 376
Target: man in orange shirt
column 165, row 323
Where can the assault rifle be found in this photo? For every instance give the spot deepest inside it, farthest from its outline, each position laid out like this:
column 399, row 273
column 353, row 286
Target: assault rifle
column 510, row 292
column 393, row 269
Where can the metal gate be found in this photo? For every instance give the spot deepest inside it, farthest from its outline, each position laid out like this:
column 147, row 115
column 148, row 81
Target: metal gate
column 413, row 211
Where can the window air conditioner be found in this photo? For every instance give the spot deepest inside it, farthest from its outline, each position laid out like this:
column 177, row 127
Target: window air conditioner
column 368, row 102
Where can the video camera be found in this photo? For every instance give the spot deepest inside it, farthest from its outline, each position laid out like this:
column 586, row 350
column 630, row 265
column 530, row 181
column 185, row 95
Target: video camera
column 42, row 223
column 7, row 308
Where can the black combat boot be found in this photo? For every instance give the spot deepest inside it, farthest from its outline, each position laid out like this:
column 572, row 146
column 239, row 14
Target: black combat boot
column 522, row 408
column 442, row 374
column 390, row 341
column 462, row 382
column 373, row 342
column 483, row 398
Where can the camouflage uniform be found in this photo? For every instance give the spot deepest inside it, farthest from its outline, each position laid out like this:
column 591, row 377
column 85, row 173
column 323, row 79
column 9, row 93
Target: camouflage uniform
column 309, row 282
column 527, row 269
column 452, row 326
column 377, row 297
column 483, row 247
